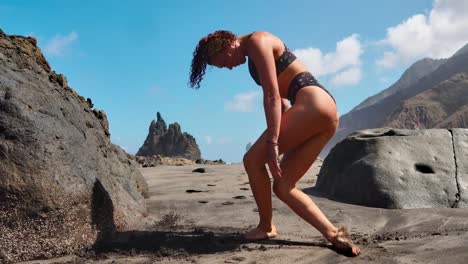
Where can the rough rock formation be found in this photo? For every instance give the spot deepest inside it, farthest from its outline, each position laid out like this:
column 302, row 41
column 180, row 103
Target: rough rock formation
column 398, row 168
column 211, row 162
column 157, row 160
column 63, row 184
column 154, row 161
column 430, row 94
column 169, row 142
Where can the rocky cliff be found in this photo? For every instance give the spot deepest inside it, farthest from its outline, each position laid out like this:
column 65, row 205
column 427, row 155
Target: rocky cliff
column 412, row 75
column 169, row 141
column 63, row 185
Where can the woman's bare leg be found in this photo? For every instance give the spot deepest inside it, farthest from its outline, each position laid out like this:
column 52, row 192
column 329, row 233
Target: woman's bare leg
column 298, row 124
column 294, row 166
column 254, row 163
column 305, row 129
column 298, row 159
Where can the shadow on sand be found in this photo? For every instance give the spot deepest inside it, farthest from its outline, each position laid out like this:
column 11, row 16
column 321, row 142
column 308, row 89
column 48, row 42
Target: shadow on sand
column 175, row 243
column 166, row 241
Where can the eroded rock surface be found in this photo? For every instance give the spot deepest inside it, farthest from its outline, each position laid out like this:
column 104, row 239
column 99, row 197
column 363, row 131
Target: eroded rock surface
column 63, row 184
column 398, row 168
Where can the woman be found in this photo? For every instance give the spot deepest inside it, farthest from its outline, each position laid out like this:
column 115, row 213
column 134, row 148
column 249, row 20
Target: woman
column 299, row 133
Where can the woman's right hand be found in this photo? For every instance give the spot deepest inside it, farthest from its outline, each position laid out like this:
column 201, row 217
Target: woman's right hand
column 273, row 163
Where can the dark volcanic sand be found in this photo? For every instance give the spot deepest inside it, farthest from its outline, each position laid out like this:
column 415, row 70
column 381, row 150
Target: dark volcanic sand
column 199, row 218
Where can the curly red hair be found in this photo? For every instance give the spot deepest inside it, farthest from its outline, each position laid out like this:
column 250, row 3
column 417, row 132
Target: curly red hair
column 207, row 47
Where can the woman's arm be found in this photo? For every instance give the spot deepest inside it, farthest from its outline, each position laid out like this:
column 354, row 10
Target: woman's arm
column 261, row 52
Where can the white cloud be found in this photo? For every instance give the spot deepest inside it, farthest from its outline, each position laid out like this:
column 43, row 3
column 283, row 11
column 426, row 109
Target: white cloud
column 57, row 45
column 350, row 76
column 223, row 140
column 343, row 64
column 219, row 141
column 208, row 140
column 438, row 34
column 312, row 58
column 244, row 102
column 384, row 80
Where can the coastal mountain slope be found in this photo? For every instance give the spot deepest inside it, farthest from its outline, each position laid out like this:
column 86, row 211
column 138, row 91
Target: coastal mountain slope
column 431, row 93
column 442, row 106
column 413, row 74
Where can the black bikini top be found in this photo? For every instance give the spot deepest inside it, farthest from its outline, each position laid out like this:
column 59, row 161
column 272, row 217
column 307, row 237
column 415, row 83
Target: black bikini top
column 281, row 64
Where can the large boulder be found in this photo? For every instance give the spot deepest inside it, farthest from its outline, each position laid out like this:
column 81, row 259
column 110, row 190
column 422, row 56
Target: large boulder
column 63, row 184
column 460, row 144
column 398, row 168
column 169, row 141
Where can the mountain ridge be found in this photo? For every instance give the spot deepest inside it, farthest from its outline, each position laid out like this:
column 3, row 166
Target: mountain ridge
column 377, row 114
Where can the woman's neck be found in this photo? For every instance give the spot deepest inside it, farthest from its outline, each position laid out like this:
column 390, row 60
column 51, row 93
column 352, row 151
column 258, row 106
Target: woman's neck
column 242, row 41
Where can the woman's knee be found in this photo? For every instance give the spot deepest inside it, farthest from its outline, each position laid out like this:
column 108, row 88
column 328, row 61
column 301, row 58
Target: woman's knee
column 330, row 125
column 250, row 161
column 282, row 189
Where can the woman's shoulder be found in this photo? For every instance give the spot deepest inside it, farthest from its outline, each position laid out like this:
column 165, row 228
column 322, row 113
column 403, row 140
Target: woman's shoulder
column 261, row 35
column 262, row 39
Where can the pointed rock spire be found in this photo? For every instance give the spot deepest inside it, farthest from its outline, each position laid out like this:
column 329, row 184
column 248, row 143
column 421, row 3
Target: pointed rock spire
column 169, row 142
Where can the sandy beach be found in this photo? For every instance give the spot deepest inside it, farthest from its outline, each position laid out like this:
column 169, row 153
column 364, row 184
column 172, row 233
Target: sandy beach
column 200, row 217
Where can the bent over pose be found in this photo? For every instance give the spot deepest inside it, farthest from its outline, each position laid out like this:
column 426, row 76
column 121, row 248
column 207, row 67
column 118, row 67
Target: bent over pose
column 299, row 133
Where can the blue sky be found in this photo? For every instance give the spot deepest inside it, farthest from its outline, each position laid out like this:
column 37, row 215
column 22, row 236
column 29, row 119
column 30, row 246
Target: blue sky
column 132, row 58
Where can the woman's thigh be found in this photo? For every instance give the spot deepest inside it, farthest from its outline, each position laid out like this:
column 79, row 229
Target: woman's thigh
column 300, row 123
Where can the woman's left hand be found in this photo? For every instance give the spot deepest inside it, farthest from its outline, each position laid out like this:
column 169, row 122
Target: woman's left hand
column 273, row 163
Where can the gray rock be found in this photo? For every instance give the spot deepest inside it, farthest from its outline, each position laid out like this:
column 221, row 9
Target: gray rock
column 460, row 143
column 200, row 170
column 154, row 161
column 169, row 142
column 210, row 162
column 63, row 184
column 393, row 168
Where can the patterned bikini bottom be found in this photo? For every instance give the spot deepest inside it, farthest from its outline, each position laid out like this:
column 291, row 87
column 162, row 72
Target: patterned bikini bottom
column 302, row 80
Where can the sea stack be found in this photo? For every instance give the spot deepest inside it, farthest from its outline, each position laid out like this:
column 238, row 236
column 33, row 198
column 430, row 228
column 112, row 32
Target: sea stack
column 169, row 142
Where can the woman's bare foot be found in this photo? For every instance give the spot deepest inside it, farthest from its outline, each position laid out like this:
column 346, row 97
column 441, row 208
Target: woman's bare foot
column 343, row 242
column 260, row 233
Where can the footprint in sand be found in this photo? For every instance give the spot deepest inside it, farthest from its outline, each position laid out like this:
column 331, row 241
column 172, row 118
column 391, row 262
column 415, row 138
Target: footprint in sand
column 256, row 209
column 200, row 170
column 227, row 203
column 235, row 260
column 239, row 197
column 194, row 191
